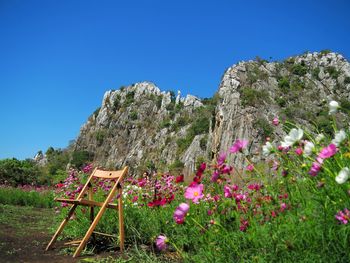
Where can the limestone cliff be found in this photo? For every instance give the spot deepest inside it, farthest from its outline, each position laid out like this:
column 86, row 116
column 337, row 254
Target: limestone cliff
column 139, row 124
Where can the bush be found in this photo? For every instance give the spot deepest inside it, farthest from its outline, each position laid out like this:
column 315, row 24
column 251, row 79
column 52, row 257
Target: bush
column 81, row 158
column 16, row 172
column 299, row 69
column 129, row 99
column 283, row 84
column 253, row 97
column 133, row 115
column 100, row 136
column 264, row 127
column 333, row 72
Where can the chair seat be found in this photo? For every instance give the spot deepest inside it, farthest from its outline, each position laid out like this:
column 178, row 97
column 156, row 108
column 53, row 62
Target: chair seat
column 85, row 202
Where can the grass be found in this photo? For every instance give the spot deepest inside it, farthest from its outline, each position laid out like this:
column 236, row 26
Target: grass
column 16, row 196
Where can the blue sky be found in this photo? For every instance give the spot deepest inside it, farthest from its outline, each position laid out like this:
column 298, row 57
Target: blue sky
column 57, row 58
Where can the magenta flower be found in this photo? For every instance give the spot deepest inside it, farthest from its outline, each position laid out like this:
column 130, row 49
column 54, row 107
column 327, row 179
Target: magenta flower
column 194, row 192
column 180, row 213
column 343, row 216
column 221, row 159
column 87, row 168
column 227, row 191
column 328, row 151
column 161, row 242
column 238, row 146
column 215, row 176
column 250, row 167
column 315, row 168
column 275, row 121
column 299, row 151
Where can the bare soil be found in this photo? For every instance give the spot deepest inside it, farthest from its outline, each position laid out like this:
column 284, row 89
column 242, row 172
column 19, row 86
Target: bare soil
column 24, row 234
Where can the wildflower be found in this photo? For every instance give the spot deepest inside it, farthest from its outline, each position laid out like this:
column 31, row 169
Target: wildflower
column 293, row 136
column 244, row 225
column 315, row 168
column 319, row 137
column 343, row 216
column 161, row 242
column 283, row 207
column 180, row 213
column 275, row 121
column 333, row 107
column 343, row 175
column 298, row 151
column 179, row 179
column 239, row 145
column 328, row 151
column 227, row 191
column 215, row 176
column 221, row 159
column 308, row 148
column 267, row 148
column 250, row 167
column 339, row 137
column 87, row 168
column 194, row 192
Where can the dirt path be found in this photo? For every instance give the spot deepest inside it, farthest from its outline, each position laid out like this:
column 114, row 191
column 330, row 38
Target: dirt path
column 24, row 234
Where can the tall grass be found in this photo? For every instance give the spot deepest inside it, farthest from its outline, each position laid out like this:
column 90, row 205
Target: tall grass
column 26, row 197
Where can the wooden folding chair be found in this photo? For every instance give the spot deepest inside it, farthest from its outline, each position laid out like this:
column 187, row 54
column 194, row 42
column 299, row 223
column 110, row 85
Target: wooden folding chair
column 97, row 173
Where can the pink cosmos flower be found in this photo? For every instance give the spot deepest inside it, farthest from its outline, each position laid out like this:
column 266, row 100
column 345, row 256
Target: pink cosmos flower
column 238, row 146
column 227, row 191
column 299, row 151
column 215, row 176
column 221, row 159
column 194, row 192
column 180, row 213
column 315, row 168
column 161, row 242
column 328, row 151
column 250, row 167
column 275, row 121
column 343, row 216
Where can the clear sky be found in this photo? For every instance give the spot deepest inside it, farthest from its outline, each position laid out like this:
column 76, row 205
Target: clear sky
column 58, row 57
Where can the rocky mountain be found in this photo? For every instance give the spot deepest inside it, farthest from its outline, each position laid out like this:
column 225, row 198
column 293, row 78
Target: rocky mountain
column 139, row 125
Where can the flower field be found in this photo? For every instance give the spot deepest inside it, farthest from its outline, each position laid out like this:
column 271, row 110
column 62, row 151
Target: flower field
column 290, row 206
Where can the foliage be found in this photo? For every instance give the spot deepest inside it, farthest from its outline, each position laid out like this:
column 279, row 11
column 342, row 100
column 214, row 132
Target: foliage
column 253, row 97
column 16, row 172
column 264, row 127
column 283, row 84
column 299, row 69
column 133, row 115
column 100, row 136
column 129, row 99
column 333, row 72
column 81, row 158
column 26, row 196
column 176, row 166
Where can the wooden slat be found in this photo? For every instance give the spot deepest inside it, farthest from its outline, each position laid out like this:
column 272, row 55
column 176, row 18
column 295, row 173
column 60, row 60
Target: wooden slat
column 85, row 202
column 104, row 234
column 108, row 174
column 75, row 242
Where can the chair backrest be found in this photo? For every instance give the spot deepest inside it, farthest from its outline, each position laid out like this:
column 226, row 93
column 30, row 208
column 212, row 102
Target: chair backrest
column 109, row 174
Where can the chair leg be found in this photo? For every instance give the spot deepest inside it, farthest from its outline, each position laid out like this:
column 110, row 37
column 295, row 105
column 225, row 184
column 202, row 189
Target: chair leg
column 60, row 228
column 90, row 230
column 121, row 221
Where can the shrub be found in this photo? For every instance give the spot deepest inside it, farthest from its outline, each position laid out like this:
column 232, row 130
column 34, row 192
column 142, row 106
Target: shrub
column 116, row 103
column 100, row 136
column 176, row 166
column 81, row 158
column 347, row 80
column 333, row 72
column 299, row 69
column 283, row 84
column 133, row 115
column 264, row 127
column 315, row 73
column 129, row 99
column 253, row 97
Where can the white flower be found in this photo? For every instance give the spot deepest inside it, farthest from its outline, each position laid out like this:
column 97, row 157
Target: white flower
column 343, row 175
column 293, row 136
column 333, row 107
column 339, row 137
column 319, row 137
column 308, row 147
column 267, row 148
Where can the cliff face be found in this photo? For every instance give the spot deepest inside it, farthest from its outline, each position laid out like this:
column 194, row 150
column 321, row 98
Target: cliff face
column 298, row 89
column 139, row 123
